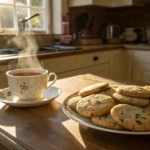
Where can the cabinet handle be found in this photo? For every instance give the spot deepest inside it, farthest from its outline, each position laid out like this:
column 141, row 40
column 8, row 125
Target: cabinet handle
column 95, row 58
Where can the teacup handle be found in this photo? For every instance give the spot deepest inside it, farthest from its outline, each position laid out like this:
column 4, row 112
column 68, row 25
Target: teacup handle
column 55, row 78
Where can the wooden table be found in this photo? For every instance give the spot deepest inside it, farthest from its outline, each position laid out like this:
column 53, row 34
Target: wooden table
column 48, row 128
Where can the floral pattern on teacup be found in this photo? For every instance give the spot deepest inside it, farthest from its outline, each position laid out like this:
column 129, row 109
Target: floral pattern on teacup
column 23, row 87
column 6, row 94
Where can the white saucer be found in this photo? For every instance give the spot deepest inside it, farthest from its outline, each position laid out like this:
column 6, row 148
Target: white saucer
column 49, row 95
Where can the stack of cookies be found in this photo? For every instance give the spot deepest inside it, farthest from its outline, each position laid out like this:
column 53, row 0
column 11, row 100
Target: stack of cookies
column 114, row 107
column 131, row 113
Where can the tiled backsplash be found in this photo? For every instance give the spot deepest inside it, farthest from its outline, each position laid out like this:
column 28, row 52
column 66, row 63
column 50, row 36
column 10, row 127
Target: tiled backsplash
column 43, row 40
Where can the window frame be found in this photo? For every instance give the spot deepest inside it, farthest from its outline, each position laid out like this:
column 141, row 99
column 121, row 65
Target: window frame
column 47, row 19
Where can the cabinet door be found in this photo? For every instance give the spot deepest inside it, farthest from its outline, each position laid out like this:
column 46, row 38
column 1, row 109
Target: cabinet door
column 61, row 64
column 116, row 64
column 73, row 3
column 107, row 3
column 141, row 66
column 141, row 56
column 95, row 58
column 141, row 72
column 100, row 70
column 127, row 59
column 3, row 77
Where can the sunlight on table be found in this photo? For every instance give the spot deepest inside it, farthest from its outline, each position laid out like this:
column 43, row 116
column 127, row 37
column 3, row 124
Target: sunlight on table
column 69, row 124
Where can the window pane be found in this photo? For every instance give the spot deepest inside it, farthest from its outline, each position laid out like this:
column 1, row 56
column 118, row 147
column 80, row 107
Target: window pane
column 21, row 14
column 38, row 3
column 7, row 1
column 6, row 17
column 38, row 22
column 21, row 2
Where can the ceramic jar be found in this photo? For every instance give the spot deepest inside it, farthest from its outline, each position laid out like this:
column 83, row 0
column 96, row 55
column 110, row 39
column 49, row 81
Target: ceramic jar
column 129, row 35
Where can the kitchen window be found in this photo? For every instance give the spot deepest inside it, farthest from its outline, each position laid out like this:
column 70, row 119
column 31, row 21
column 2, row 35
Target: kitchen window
column 11, row 11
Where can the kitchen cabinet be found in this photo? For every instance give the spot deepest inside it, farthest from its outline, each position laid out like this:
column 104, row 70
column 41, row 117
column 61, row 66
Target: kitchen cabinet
column 105, row 3
column 96, row 63
column 141, row 72
column 116, row 63
column 127, row 64
column 3, row 77
column 95, row 58
column 60, row 64
column 99, row 70
column 141, row 66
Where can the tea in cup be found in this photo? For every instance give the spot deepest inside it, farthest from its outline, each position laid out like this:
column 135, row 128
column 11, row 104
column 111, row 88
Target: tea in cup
column 29, row 83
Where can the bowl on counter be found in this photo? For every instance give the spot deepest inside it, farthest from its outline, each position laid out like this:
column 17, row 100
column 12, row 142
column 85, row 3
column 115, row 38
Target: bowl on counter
column 65, row 39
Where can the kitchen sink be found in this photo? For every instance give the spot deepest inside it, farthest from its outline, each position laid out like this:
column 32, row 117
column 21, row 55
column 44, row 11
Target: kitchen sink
column 9, row 51
column 5, row 52
column 57, row 48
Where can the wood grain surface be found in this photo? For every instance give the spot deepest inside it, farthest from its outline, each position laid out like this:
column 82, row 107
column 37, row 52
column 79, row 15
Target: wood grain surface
column 48, row 128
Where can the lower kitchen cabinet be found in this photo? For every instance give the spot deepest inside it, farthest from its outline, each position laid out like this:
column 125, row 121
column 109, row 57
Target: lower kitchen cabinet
column 95, row 58
column 141, row 66
column 96, row 63
column 100, row 70
column 116, row 63
column 141, row 72
column 3, row 77
column 60, row 64
column 127, row 65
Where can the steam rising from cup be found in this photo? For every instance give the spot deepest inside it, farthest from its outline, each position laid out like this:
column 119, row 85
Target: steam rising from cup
column 27, row 56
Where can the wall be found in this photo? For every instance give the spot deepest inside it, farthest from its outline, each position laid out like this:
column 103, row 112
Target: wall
column 59, row 7
column 43, row 40
column 96, row 11
column 131, row 16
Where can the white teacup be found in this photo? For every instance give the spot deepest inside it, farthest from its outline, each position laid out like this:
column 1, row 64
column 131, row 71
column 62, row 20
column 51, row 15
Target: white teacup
column 29, row 83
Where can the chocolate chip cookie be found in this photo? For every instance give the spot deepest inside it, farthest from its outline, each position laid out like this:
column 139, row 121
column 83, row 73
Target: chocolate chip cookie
column 131, row 117
column 133, row 90
column 72, row 103
column 93, row 89
column 131, row 100
column 106, row 121
column 95, row 105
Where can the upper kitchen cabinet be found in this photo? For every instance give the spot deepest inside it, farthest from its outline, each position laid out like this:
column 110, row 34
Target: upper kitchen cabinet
column 105, row 3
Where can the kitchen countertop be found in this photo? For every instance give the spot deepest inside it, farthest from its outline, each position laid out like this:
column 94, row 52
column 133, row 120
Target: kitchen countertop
column 83, row 49
column 136, row 46
column 47, row 127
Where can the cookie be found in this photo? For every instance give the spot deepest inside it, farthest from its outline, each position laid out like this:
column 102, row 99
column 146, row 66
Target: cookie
column 147, row 87
column 95, row 105
column 131, row 100
column 131, row 117
column 93, row 89
column 72, row 103
column 148, row 108
column 134, row 91
column 106, row 121
column 111, row 90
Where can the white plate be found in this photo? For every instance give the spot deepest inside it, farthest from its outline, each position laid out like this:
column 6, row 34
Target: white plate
column 49, row 95
column 87, row 121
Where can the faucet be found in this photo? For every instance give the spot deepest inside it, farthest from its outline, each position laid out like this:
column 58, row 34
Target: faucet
column 23, row 21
